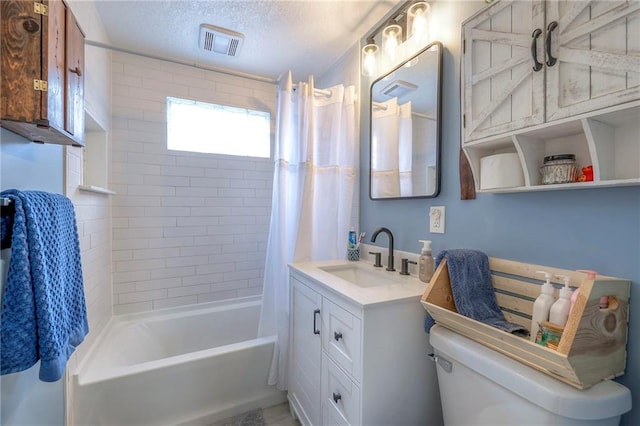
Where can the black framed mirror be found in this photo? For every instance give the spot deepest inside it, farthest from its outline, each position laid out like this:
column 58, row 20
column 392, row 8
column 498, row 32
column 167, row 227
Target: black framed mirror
column 405, row 128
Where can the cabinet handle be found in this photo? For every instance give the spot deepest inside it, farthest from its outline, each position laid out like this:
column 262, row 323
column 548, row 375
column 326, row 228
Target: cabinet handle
column 336, row 397
column 551, row 61
column 337, row 335
column 315, row 325
column 76, row 70
column 537, row 66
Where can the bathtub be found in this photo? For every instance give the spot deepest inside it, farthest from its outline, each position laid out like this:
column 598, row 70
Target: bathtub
column 187, row 365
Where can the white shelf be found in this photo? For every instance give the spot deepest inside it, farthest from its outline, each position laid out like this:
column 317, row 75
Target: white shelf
column 606, row 139
column 96, row 189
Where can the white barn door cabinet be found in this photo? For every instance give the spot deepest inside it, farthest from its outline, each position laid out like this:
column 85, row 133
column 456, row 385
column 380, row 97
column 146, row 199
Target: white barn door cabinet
column 553, row 77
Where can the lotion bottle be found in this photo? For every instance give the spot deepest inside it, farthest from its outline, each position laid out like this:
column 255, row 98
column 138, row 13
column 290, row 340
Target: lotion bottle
column 425, row 262
column 542, row 305
column 560, row 309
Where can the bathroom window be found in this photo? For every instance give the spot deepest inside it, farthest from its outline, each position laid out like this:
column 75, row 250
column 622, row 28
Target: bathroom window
column 217, row 129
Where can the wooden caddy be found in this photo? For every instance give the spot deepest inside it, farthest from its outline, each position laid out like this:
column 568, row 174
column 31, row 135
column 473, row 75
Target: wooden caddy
column 593, row 344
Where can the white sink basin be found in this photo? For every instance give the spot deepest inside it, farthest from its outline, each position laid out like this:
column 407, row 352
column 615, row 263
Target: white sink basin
column 363, row 275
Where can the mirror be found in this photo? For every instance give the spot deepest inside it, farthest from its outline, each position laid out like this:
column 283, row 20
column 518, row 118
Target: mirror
column 405, row 128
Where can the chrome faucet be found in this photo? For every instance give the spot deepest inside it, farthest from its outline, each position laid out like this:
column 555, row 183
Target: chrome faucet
column 390, row 236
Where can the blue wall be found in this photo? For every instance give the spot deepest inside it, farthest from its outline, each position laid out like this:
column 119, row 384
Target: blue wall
column 575, row 229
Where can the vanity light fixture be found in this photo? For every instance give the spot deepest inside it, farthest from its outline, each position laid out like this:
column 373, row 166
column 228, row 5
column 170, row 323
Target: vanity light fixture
column 370, row 54
column 402, row 35
column 391, row 41
column 417, row 23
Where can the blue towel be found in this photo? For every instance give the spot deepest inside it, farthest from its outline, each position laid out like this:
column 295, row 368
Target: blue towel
column 473, row 292
column 43, row 308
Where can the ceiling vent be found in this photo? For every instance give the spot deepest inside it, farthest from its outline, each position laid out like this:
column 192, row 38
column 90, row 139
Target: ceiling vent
column 220, row 40
column 398, row 88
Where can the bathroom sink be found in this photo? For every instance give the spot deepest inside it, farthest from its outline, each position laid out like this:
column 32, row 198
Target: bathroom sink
column 363, row 275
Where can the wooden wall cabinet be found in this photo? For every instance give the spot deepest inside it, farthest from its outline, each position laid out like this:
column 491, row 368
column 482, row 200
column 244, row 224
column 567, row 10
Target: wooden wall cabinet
column 42, row 74
column 553, row 77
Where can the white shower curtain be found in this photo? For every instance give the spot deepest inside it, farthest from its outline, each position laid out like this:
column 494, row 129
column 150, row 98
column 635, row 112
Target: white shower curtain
column 391, row 149
column 315, row 173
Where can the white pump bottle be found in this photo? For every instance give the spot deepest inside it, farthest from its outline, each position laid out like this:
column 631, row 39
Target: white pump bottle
column 425, row 262
column 542, row 305
column 559, row 313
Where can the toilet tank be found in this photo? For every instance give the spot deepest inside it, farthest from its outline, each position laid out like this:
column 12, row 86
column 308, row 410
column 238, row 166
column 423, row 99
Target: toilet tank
column 481, row 386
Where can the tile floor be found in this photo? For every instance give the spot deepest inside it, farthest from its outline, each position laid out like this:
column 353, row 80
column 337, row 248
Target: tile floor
column 278, row 415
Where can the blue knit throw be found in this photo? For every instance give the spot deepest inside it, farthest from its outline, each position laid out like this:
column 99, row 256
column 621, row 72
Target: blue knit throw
column 43, row 308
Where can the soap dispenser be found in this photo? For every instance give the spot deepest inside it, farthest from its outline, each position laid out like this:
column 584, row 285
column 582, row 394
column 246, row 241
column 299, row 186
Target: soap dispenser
column 542, row 305
column 559, row 313
column 425, row 262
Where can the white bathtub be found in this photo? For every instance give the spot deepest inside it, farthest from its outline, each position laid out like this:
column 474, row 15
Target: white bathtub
column 194, row 365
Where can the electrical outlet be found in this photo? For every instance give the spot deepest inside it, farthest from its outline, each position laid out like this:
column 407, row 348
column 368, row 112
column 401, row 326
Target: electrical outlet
column 436, row 220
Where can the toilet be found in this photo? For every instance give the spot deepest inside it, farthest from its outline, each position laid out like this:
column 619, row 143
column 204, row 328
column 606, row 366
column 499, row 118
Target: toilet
column 481, row 386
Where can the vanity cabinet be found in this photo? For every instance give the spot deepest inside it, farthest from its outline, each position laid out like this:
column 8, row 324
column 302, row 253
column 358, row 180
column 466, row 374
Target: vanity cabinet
column 42, row 72
column 351, row 364
column 554, row 77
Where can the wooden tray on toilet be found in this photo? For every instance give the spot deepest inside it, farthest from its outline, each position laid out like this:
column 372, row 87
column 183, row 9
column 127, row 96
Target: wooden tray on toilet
column 593, row 344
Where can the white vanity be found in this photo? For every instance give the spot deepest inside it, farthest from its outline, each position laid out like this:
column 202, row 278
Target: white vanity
column 358, row 350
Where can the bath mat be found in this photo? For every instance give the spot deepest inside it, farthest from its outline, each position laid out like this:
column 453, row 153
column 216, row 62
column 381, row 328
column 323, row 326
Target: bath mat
column 250, row 418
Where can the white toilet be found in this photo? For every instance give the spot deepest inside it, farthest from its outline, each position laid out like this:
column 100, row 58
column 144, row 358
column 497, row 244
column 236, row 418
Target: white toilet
column 481, row 386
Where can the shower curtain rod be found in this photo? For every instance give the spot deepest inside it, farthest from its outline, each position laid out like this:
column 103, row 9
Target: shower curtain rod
column 323, row 92
column 177, row 61
column 418, row 114
column 383, row 107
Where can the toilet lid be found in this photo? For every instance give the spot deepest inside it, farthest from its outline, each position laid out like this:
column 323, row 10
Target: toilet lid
column 603, row 400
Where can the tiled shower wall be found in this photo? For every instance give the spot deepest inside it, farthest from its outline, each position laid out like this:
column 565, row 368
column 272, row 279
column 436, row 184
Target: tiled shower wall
column 187, row 227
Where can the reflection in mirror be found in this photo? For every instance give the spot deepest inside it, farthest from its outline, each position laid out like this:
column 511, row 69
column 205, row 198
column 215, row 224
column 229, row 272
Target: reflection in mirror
column 405, row 128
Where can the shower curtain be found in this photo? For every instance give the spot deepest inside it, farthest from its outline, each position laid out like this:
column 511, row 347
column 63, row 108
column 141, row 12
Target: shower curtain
column 391, row 149
column 313, row 189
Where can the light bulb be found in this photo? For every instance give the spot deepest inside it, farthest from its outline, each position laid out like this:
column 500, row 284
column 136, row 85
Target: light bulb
column 417, row 23
column 391, row 39
column 369, row 59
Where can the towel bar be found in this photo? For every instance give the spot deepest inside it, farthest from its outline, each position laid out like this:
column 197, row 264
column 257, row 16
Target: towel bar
column 4, row 202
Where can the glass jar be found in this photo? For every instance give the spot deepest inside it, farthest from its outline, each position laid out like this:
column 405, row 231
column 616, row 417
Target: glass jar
column 559, row 169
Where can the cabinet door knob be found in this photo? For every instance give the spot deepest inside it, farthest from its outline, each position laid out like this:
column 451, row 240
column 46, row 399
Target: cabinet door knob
column 551, row 61
column 76, row 70
column 337, row 335
column 336, row 397
column 537, row 66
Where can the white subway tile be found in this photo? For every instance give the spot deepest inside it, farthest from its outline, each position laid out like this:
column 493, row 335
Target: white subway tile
column 187, row 227
column 138, row 265
column 174, row 301
column 184, row 231
column 203, row 278
column 189, row 290
column 147, row 72
column 120, row 309
column 170, row 242
column 131, row 276
column 142, row 296
column 153, row 253
column 176, row 262
column 157, row 284
column 173, row 272
column 217, row 295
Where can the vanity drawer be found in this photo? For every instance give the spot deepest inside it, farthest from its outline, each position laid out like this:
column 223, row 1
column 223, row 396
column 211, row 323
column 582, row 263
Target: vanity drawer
column 342, row 339
column 340, row 396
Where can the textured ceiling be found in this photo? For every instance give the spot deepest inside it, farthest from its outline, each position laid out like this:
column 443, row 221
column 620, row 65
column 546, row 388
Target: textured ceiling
column 306, row 36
